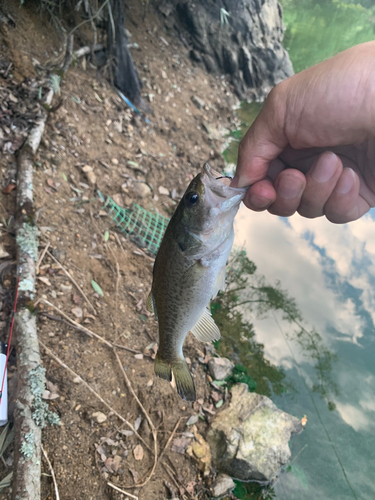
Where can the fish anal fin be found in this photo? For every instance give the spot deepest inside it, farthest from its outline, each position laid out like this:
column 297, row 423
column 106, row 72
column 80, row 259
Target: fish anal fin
column 162, row 369
column 184, row 380
column 206, row 329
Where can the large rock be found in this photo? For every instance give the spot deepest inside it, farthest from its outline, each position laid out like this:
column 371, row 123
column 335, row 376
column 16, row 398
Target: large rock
column 249, row 440
column 246, row 45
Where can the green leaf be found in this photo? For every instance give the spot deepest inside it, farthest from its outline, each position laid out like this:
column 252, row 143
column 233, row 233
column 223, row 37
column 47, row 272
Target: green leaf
column 6, row 481
column 3, row 435
column 133, row 163
column 9, row 438
column 97, row 288
column 64, row 177
column 106, row 235
column 220, row 382
column 219, row 403
column 143, row 317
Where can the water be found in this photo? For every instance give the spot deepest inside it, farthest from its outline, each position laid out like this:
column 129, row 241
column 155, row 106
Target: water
column 330, row 270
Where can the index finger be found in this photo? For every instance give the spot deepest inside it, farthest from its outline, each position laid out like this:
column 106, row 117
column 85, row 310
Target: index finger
column 263, row 142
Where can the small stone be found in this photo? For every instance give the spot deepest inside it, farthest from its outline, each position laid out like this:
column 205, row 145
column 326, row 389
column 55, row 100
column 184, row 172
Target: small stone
column 142, row 189
column 86, row 169
column 60, row 255
column 99, row 417
column 66, row 288
column 77, row 311
column 220, row 368
column 91, row 178
column 138, row 356
column 51, row 334
column 150, row 383
column 77, row 380
column 163, row 190
column 222, row 486
column 198, row 102
column 164, row 74
column 114, row 161
column 54, row 294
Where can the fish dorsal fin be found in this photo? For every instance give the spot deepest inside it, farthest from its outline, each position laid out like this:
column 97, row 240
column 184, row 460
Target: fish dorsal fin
column 206, row 329
column 220, row 283
column 150, row 303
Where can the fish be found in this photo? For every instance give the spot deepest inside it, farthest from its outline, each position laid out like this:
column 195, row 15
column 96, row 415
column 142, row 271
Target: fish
column 189, row 270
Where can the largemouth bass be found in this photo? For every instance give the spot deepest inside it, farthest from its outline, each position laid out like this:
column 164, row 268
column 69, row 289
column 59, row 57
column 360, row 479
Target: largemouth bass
column 189, row 271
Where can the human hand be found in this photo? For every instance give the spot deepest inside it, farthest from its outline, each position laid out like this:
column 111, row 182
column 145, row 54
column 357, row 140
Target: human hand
column 312, row 147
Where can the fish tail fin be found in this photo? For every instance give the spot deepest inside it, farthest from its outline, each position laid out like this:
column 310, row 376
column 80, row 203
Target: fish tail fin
column 184, row 380
column 162, row 368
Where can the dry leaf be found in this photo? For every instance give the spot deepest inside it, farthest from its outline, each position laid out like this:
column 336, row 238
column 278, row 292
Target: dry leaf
column 9, row 188
column 137, row 423
column 135, row 475
column 138, row 452
column 46, row 281
column 77, row 311
column 180, row 444
column 51, row 184
column 77, row 299
column 190, row 487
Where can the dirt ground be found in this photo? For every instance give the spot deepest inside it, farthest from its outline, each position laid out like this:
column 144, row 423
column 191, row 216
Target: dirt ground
column 94, row 128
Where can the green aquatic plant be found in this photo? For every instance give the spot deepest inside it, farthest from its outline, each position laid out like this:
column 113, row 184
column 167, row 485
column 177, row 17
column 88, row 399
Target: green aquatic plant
column 240, row 375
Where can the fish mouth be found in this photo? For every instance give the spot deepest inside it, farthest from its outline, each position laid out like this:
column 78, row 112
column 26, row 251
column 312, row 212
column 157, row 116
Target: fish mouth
column 219, row 186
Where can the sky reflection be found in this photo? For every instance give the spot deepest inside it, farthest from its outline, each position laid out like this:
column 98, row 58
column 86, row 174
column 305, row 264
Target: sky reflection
column 330, row 271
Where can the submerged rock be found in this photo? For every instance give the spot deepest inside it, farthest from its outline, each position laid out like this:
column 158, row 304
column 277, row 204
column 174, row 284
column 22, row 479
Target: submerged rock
column 249, row 440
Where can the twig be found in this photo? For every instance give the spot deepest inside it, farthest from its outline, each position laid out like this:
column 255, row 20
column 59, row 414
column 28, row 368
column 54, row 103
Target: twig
column 68, row 54
column 42, row 257
column 170, row 438
column 122, row 491
column 88, row 386
column 154, row 431
column 89, row 20
column 83, row 329
column 52, row 473
column 86, row 50
column 171, row 476
column 72, row 279
column 119, row 241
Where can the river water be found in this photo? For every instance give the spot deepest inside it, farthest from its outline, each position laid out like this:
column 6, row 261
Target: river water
column 330, row 270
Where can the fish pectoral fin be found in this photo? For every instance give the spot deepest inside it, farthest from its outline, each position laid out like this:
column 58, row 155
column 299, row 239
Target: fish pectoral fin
column 193, row 274
column 150, row 303
column 184, row 380
column 220, row 283
column 206, row 329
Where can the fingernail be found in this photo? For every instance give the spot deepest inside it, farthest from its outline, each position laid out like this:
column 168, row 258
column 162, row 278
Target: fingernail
column 346, row 181
column 325, row 168
column 288, row 187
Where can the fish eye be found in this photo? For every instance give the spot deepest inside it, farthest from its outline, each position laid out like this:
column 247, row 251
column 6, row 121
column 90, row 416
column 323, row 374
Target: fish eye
column 191, row 199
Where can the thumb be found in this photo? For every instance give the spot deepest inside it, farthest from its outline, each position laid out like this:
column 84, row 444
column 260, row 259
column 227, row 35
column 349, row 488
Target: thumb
column 263, row 142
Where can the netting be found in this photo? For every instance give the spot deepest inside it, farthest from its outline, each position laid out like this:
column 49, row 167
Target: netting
column 145, row 228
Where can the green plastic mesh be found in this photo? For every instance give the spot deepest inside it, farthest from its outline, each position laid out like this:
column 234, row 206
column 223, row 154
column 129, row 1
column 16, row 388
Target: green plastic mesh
column 145, row 228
